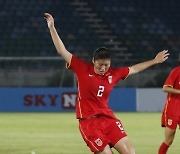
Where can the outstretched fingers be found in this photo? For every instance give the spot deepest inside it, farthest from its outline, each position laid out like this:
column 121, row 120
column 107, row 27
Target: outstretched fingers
column 162, row 56
column 165, row 54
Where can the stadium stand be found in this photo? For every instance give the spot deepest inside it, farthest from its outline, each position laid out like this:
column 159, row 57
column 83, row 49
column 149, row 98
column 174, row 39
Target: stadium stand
column 134, row 30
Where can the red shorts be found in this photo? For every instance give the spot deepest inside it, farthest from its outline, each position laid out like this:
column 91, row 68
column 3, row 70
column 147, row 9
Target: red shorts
column 170, row 121
column 98, row 132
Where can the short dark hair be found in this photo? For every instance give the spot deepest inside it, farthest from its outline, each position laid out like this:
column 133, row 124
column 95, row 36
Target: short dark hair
column 102, row 53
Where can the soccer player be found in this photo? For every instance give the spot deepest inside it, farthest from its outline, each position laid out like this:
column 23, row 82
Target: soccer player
column 99, row 127
column 171, row 113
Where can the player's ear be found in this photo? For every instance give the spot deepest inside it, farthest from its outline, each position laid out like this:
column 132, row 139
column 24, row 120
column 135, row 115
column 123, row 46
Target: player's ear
column 93, row 60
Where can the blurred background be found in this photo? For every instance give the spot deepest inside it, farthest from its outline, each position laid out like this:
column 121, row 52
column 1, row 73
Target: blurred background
column 33, row 77
column 135, row 31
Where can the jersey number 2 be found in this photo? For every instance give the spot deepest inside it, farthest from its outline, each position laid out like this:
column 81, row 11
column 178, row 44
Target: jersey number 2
column 100, row 91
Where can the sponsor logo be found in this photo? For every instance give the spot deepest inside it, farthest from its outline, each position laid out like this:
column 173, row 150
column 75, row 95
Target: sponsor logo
column 69, row 100
column 169, row 122
column 99, row 142
column 39, row 100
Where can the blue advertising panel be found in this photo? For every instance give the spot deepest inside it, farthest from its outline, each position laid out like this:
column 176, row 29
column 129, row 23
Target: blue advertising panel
column 37, row 99
column 123, row 99
column 57, row 99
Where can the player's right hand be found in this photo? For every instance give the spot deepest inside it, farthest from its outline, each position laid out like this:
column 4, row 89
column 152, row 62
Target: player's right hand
column 49, row 19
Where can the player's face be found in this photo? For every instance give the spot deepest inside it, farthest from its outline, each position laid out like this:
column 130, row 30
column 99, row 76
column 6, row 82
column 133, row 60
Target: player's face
column 101, row 66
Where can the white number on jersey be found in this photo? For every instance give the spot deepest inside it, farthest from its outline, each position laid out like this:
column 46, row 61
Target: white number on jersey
column 100, row 91
column 119, row 125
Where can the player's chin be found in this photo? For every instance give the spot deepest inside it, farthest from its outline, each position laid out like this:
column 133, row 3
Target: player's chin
column 101, row 73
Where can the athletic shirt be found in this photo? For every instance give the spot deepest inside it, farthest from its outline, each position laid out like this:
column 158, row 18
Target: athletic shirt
column 94, row 89
column 173, row 100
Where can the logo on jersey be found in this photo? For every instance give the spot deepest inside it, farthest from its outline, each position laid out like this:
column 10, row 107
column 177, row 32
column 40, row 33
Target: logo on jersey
column 99, row 142
column 110, row 79
column 169, row 122
column 90, row 75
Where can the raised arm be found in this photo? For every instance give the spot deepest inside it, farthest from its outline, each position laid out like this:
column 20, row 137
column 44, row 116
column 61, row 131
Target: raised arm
column 160, row 58
column 56, row 39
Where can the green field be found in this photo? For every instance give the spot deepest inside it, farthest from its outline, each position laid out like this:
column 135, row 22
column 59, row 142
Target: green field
column 57, row 133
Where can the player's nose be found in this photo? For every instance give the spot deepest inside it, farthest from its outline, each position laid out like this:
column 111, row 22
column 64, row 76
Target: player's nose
column 103, row 68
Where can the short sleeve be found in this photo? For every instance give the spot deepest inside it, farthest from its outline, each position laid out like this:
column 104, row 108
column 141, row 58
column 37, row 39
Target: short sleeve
column 76, row 64
column 121, row 73
column 171, row 78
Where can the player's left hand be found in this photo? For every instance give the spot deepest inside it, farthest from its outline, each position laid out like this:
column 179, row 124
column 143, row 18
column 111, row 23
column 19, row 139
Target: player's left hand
column 161, row 56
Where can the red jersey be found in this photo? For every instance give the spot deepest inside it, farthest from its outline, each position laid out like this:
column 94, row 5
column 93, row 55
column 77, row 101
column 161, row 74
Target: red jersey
column 94, row 89
column 172, row 106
